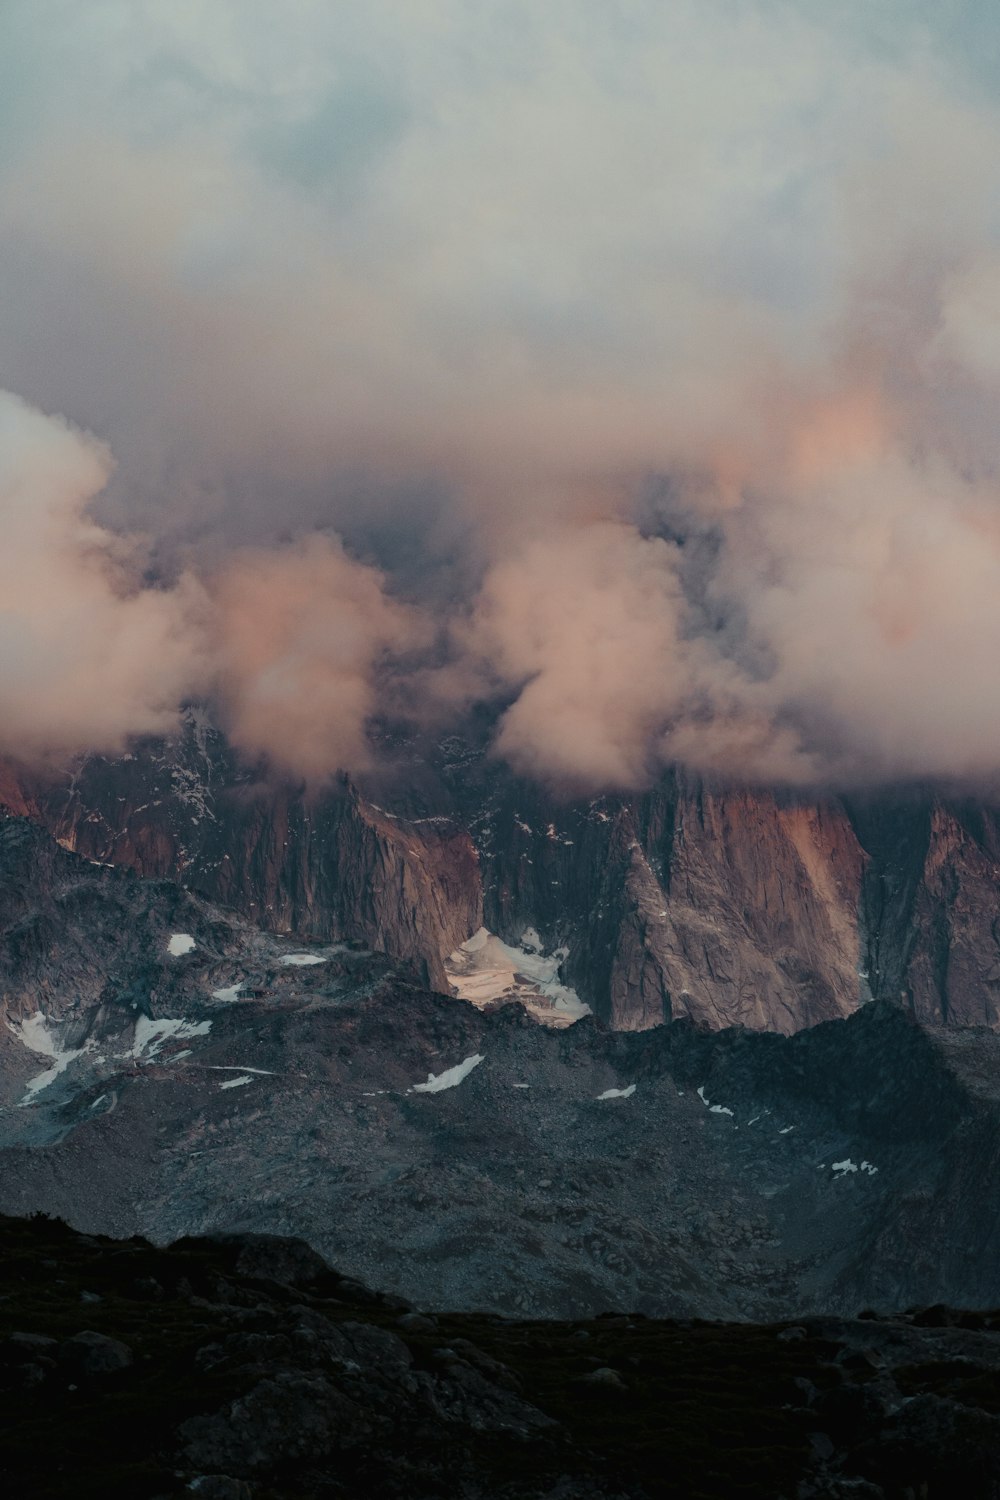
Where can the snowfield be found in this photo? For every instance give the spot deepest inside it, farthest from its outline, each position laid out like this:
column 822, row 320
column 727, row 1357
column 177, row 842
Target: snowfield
column 485, row 969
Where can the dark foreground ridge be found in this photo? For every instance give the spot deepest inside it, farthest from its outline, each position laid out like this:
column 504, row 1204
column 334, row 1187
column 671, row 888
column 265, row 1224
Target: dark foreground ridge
column 242, row 1368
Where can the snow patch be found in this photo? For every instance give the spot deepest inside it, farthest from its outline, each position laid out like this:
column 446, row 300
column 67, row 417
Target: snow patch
column 302, row 960
column 229, row 994
column 236, row 1083
column 485, row 970
column 842, row 1168
column 450, row 1079
column 713, row 1109
column 618, row 1093
column 179, row 944
column 37, row 1034
column 151, row 1034
column 224, row 1068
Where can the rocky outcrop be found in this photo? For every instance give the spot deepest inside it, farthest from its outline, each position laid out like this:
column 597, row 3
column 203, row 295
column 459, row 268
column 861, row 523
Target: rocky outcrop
column 331, row 866
column 246, row 1384
column 79, row 941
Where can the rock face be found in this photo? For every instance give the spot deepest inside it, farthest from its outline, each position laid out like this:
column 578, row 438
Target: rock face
column 723, row 906
column 333, row 867
column 930, row 937
column 730, row 909
column 954, row 971
column 731, row 906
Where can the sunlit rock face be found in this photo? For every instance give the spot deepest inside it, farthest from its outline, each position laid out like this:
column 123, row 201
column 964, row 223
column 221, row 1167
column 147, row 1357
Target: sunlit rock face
column 733, row 906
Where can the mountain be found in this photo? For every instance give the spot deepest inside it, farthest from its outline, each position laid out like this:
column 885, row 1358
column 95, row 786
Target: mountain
column 169, row 1068
column 728, row 905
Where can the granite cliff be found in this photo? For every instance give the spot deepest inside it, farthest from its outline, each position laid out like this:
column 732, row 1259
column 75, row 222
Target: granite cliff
column 729, row 905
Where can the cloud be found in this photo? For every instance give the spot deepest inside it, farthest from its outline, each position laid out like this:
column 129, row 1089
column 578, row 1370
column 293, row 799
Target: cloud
column 300, row 634
column 583, row 623
column 872, row 576
column 286, row 642
column 88, row 654
column 648, row 348
column 514, row 248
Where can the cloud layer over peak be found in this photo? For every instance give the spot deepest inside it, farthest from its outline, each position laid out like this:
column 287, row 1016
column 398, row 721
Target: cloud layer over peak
column 632, row 365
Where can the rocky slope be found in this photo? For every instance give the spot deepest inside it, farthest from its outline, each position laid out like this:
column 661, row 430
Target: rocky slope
column 728, row 905
column 334, row 867
column 245, row 1369
column 168, row 1068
